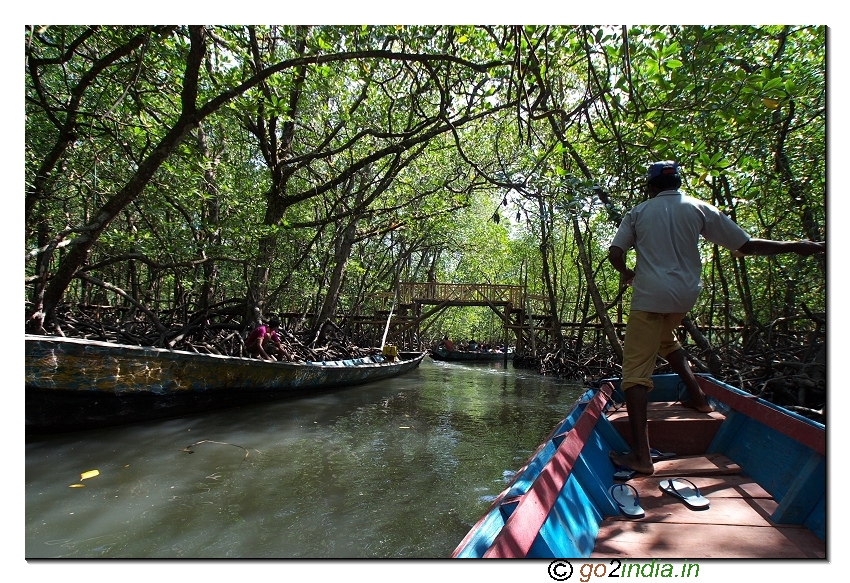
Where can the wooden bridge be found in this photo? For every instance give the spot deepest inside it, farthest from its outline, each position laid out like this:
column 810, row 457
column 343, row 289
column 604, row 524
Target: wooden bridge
column 417, row 302
column 460, row 294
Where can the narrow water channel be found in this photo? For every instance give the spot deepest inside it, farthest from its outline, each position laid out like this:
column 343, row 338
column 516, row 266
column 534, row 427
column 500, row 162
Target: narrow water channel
column 396, row 469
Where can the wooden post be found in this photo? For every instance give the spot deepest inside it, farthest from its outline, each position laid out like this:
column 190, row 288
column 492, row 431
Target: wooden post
column 505, row 335
column 418, row 311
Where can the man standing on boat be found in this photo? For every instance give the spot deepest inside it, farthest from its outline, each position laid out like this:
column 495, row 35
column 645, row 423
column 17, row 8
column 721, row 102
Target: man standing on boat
column 665, row 232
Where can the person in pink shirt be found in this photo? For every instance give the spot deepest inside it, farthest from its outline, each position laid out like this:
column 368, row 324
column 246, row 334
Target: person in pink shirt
column 264, row 342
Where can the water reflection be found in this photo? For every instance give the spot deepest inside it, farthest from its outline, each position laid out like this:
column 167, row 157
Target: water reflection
column 399, row 468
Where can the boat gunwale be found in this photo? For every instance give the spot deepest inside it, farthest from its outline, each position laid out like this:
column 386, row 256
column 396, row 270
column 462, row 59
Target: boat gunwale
column 132, row 351
column 535, row 504
column 587, row 397
column 805, row 431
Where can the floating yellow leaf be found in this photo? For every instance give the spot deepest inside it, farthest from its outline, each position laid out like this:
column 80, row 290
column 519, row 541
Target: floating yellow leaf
column 77, row 486
column 89, row 474
column 770, row 103
column 649, row 124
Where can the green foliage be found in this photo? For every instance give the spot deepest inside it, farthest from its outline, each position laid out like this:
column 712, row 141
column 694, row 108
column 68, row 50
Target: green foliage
column 421, row 150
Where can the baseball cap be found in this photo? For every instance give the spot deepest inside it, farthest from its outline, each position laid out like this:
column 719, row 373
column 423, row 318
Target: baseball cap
column 663, row 168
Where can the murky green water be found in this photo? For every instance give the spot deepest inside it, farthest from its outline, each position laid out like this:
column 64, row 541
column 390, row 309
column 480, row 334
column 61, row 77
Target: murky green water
column 399, row 468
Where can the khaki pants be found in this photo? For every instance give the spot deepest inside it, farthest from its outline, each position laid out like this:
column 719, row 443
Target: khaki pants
column 647, row 334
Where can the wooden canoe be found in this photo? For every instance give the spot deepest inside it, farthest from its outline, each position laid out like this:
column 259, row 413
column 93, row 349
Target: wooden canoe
column 473, row 356
column 74, row 383
column 762, row 468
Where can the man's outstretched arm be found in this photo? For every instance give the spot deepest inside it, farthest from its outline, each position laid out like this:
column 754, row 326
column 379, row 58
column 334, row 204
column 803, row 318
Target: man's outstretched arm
column 769, row 247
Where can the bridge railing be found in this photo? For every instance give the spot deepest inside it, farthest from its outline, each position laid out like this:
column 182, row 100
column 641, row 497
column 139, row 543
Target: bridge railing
column 461, row 292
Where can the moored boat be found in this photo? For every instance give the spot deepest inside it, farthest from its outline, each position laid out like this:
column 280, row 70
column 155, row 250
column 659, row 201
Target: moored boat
column 469, row 356
column 745, row 481
column 73, row 383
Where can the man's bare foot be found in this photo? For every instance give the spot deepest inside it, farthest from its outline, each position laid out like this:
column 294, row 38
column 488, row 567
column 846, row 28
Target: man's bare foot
column 631, row 461
column 703, row 407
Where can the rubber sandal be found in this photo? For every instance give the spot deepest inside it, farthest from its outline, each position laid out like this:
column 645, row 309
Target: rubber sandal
column 657, row 455
column 690, row 495
column 627, row 499
column 623, row 473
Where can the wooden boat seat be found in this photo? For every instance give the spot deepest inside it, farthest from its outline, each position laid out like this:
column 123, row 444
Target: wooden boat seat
column 737, row 525
column 666, row 434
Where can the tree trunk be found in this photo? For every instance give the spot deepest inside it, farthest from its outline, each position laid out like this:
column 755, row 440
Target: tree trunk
column 79, row 250
column 545, row 237
column 276, row 145
column 714, row 364
column 598, row 303
column 342, row 252
column 211, row 234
